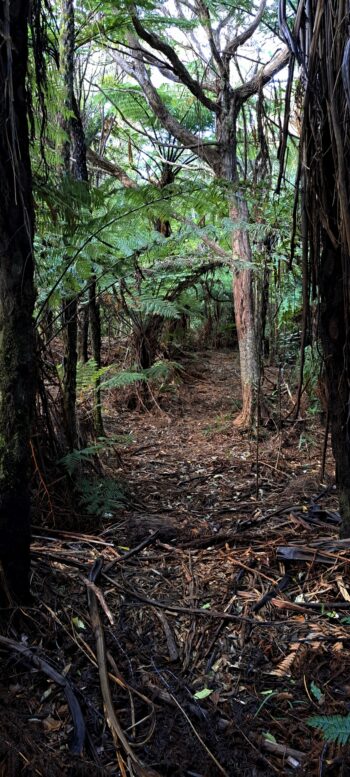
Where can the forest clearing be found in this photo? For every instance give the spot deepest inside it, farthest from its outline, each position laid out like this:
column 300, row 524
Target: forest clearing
column 174, row 388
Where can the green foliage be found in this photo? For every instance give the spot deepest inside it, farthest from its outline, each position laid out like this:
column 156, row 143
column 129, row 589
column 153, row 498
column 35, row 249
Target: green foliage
column 88, row 374
column 100, row 497
column 334, row 728
column 161, row 370
column 77, row 458
column 156, row 306
column 124, row 378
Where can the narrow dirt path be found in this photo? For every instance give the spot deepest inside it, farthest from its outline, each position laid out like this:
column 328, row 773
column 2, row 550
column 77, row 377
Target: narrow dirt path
column 189, row 469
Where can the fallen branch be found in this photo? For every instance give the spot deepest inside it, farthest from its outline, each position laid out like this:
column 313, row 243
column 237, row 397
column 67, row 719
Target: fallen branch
column 77, row 743
column 113, row 723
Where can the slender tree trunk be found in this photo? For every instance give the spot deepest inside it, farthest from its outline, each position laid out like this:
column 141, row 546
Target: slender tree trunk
column 244, row 316
column 83, row 334
column 70, row 307
column 17, row 373
column 243, row 298
column 70, row 359
column 95, row 329
column 263, row 312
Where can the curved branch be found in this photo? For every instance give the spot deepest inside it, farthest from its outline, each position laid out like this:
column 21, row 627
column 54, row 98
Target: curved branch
column 204, row 12
column 180, row 70
column 277, row 63
column 232, row 47
column 188, row 139
column 100, row 162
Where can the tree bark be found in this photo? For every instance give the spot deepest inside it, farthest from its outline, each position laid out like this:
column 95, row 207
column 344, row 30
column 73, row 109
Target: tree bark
column 70, row 306
column 95, row 329
column 243, row 298
column 83, row 334
column 244, row 317
column 70, row 359
column 323, row 44
column 334, row 336
column 17, row 373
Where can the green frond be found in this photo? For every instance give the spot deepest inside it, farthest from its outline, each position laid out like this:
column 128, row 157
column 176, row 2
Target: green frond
column 123, row 378
column 156, row 306
column 88, row 374
column 334, row 728
column 100, row 497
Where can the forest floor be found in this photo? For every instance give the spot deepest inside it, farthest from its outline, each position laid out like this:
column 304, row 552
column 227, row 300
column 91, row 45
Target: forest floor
column 217, row 624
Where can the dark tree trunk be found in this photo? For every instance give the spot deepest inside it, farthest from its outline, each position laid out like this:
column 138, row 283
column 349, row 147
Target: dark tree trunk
column 324, row 43
column 264, row 306
column 83, row 334
column 95, row 329
column 17, row 374
column 70, row 358
column 70, row 306
column 336, row 348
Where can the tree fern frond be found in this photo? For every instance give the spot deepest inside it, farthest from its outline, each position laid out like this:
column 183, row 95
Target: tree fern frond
column 88, row 374
column 123, row 378
column 156, row 306
column 335, row 728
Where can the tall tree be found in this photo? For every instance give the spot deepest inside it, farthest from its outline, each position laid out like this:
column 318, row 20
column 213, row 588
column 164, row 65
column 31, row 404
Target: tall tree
column 75, row 166
column 322, row 47
column 70, row 305
column 17, row 374
column 214, row 90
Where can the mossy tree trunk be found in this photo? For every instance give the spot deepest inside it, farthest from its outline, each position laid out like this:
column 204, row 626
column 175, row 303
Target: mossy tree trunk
column 17, row 373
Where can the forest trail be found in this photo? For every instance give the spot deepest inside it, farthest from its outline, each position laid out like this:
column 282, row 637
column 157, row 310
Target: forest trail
column 184, row 463
column 219, row 648
column 189, row 469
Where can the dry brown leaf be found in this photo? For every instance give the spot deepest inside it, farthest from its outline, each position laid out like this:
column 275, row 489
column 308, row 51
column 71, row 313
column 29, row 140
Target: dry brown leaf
column 284, row 666
column 50, row 724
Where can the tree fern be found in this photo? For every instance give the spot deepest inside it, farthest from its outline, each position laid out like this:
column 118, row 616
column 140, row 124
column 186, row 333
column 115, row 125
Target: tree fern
column 77, row 457
column 99, row 497
column 156, row 306
column 335, row 728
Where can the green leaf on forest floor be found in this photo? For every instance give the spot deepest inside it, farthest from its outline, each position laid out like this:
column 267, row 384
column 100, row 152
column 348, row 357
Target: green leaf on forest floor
column 203, row 694
column 78, row 623
column 269, row 737
column 316, row 692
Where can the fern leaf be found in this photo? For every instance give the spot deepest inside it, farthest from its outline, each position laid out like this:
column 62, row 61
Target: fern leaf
column 335, row 728
column 122, row 379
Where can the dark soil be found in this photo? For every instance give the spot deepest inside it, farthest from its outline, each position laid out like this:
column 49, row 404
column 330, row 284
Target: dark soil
column 224, row 633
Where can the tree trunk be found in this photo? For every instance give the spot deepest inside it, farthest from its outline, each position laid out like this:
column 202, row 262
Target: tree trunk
column 336, row 348
column 243, row 299
column 95, row 329
column 17, row 373
column 70, row 358
column 244, row 317
column 83, row 334
column 324, row 44
column 264, row 307
column 70, row 306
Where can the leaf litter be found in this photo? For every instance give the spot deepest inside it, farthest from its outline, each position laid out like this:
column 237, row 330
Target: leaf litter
column 196, row 630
